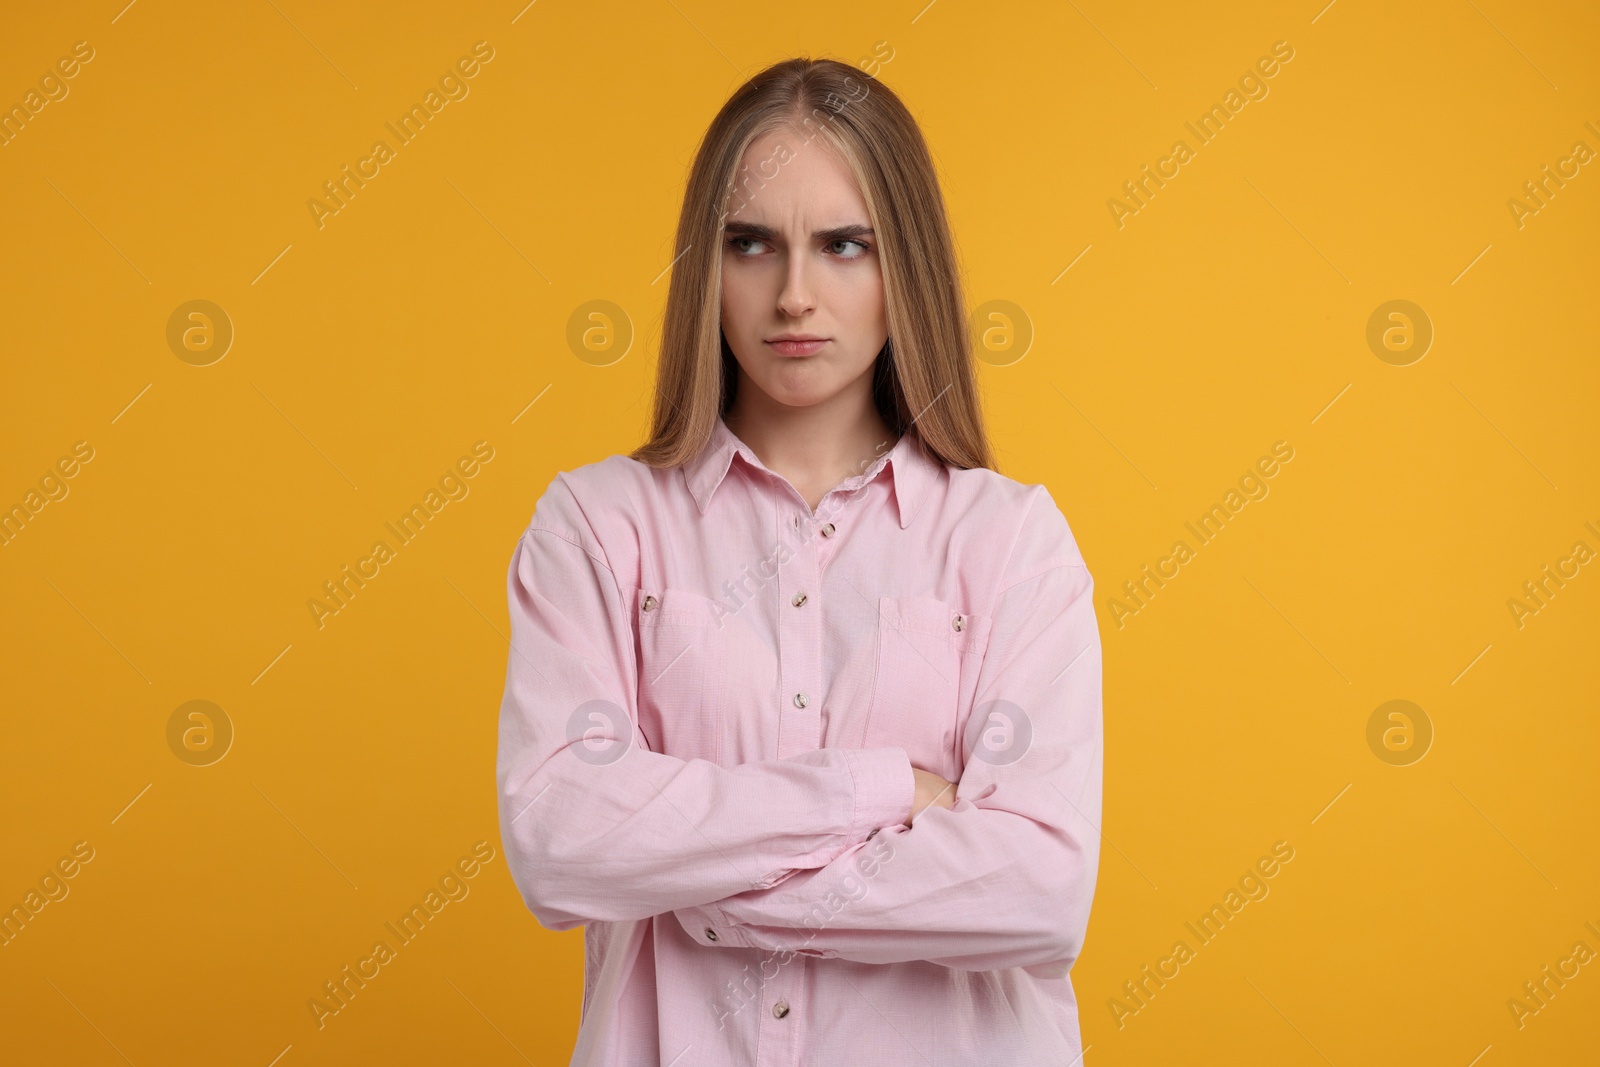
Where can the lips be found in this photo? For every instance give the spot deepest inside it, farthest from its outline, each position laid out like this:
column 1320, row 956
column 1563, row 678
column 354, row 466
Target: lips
column 797, row 347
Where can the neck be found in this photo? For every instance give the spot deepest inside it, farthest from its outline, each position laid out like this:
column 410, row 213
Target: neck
column 814, row 447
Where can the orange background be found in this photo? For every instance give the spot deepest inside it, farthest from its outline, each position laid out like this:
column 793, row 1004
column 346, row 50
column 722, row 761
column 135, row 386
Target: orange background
column 432, row 311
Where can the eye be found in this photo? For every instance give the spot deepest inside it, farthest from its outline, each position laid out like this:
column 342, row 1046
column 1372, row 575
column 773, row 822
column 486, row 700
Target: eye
column 865, row 248
column 733, row 243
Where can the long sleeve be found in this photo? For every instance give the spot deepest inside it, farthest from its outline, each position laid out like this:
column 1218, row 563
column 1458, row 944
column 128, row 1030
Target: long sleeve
column 599, row 828
column 1005, row 877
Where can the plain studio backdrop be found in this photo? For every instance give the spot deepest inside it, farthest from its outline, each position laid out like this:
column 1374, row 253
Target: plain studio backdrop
column 1371, row 270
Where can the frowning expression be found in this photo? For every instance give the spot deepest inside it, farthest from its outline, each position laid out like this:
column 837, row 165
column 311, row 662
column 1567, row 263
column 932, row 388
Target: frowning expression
column 802, row 285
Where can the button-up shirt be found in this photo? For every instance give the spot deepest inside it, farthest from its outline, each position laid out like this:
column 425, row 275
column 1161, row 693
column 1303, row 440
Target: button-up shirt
column 715, row 696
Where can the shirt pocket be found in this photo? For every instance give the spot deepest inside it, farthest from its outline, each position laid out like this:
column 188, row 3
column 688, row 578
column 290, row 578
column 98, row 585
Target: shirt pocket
column 926, row 665
column 682, row 670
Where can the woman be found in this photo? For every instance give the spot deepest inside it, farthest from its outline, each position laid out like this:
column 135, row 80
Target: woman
column 802, row 712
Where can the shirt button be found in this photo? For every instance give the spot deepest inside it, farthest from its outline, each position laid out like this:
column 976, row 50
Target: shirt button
column 711, row 935
column 650, row 602
column 800, row 700
column 827, row 531
column 958, row 623
column 799, row 598
column 781, row 1008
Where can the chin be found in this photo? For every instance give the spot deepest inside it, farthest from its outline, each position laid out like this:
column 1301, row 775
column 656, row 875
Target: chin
column 800, row 399
column 802, row 396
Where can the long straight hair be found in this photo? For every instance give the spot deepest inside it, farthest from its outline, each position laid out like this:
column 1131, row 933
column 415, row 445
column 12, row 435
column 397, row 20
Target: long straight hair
column 924, row 381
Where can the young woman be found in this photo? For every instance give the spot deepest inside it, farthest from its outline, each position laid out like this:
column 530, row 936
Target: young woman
column 802, row 713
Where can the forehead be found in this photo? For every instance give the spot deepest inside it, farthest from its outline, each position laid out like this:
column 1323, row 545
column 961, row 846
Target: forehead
column 785, row 179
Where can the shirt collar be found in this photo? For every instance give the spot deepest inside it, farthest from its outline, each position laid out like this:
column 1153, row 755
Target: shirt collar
column 911, row 467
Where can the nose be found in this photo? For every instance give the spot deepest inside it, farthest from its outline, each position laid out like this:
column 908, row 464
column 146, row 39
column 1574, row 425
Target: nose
column 796, row 299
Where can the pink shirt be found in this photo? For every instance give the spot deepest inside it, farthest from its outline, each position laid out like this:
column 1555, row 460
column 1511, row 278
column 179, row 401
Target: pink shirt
column 714, row 699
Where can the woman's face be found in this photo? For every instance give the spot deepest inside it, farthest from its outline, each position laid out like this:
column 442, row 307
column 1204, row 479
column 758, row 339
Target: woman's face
column 799, row 258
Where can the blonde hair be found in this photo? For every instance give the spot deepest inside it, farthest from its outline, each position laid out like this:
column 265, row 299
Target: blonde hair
column 924, row 380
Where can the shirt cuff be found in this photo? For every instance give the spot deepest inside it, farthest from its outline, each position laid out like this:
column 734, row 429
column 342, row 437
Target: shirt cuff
column 885, row 789
column 710, row 926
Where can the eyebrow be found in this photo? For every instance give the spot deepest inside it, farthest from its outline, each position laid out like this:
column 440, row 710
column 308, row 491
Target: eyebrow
column 767, row 233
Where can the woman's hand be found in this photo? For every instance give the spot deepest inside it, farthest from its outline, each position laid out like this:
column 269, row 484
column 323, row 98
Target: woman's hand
column 932, row 791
